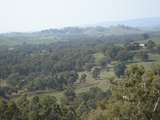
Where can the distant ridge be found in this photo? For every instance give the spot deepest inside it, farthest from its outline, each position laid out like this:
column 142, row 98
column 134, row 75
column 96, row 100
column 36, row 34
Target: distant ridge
column 142, row 22
column 70, row 31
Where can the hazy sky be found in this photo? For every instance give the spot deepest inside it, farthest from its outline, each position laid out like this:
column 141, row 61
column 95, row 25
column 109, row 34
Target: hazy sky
column 31, row 15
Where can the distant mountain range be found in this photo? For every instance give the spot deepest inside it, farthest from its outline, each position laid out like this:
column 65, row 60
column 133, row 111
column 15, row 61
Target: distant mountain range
column 65, row 34
column 140, row 23
column 104, row 29
column 77, row 31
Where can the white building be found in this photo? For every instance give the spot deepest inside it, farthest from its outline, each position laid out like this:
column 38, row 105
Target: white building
column 142, row 45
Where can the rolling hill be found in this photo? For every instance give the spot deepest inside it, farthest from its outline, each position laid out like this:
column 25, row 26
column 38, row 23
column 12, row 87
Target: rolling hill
column 70, row 33
column 104, row 29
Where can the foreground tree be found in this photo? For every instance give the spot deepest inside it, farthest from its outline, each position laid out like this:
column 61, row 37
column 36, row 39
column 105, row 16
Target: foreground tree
column 150, row 44
column 96, row 73
column 137, row 97
column 120, row 69
column 83, row 78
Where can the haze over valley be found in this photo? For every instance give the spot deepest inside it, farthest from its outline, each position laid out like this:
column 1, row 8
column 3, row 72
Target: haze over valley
column 79, row 60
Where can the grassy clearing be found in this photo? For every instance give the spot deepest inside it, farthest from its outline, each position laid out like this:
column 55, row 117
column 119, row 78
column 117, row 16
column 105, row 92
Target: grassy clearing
column 98, row 57
column 153, row 59
column 155, row 39
column 3, row 83
column 79, row 87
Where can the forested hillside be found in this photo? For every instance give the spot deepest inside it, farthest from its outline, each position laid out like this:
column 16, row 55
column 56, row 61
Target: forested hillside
column 87, row 74
column 65, row 34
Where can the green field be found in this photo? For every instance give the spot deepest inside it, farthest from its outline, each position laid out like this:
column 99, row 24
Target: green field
column 155, row 39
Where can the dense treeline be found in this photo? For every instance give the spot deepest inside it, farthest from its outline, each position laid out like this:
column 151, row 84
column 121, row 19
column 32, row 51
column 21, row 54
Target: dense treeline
column 72, row 107
column 35, row 109
column 46, row 64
